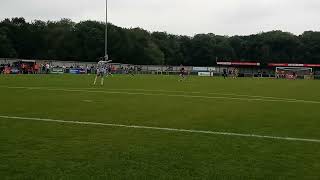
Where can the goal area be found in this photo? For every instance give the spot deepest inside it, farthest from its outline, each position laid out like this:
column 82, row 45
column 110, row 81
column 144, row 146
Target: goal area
column 294, row 73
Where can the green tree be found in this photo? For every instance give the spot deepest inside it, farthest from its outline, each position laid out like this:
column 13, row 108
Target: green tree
column 84, row 41
column 311, row 46
column 202, row 50
column 6, row 46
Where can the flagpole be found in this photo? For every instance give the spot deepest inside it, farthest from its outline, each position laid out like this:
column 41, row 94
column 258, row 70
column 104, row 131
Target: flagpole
column 106, row 34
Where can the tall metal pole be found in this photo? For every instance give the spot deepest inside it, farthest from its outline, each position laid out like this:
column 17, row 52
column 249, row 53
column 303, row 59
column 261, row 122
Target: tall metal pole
column 106, row 34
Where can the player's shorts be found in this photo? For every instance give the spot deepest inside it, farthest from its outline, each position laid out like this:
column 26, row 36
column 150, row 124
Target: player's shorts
column 101, row 72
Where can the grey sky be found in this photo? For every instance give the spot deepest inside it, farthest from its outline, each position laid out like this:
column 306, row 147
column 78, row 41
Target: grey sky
column 187, row 17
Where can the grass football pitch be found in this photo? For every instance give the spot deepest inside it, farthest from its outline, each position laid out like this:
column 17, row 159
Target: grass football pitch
column 155, row 127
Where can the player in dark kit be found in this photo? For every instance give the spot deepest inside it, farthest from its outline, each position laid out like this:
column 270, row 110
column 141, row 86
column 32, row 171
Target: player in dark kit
column 225, row 73
column 182, row 73
column 131, row 71
column 109, row 70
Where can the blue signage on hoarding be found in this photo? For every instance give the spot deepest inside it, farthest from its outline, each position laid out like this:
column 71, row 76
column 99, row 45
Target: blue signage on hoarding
column 74, row 71
column 15, row 71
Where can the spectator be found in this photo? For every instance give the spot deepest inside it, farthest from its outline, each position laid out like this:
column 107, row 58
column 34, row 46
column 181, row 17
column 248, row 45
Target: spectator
column 47, row 68
column 43, row 68
column 1, row 68
column 36, row 68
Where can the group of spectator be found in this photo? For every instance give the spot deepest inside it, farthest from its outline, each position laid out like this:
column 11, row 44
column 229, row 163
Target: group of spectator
column 46, row 68
column 5, row 68
column 24, row 68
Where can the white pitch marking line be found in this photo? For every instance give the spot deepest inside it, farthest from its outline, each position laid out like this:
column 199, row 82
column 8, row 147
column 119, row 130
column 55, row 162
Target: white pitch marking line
column 212, row 93
column 209, row 93
column 263, row 99
column 169, row 91
column 165, row 129
column 186, row 92
column 169, row 95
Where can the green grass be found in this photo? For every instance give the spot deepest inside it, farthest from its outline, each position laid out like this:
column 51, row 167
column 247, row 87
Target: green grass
column 48, row 150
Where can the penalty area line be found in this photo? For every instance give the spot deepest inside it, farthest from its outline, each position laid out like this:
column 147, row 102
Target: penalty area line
column 168, row 95
column 165, row 129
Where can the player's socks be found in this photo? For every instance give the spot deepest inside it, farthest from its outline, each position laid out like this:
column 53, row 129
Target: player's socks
column 102, row 81
column 95, row 80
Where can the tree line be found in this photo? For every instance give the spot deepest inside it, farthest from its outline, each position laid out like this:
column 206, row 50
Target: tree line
column 84, row 41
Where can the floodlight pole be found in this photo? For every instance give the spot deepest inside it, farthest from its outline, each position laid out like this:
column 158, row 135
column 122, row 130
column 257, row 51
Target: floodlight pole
column 106, row 34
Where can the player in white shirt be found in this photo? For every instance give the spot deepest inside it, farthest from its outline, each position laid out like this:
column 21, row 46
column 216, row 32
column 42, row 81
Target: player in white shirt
column 101, row 71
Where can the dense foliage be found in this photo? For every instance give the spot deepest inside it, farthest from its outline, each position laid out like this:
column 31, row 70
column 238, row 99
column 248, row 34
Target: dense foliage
column 84, row 41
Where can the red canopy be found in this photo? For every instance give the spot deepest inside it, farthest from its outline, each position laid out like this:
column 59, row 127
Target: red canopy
column 238, row 63
column 292, row 65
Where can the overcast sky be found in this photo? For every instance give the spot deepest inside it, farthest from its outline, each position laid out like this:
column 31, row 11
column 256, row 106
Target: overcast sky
column 187, row 17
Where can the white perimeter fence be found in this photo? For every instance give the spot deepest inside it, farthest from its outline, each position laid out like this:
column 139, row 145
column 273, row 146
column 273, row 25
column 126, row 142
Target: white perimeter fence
column 89, row 67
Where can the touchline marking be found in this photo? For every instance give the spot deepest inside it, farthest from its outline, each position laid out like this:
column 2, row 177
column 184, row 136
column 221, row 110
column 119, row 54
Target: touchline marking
column 168, row 95
column 164, row 129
